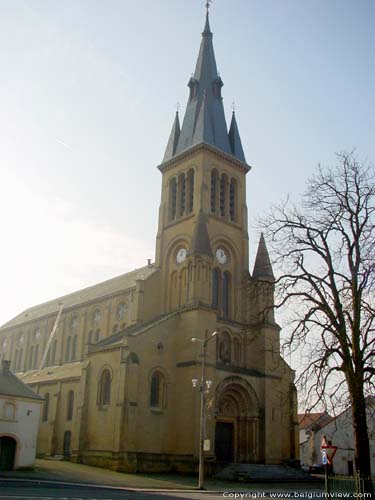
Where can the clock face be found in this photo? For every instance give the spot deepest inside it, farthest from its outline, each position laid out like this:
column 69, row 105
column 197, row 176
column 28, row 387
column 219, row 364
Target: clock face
column 221, row 256
column 181, row 255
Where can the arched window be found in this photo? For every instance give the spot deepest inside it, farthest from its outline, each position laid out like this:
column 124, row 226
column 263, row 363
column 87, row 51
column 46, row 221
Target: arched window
column 226, row 295
column 172, row 199
column 53, row 354
column 215, row 288
column 181, row 194
column 214, row 180
column 45, row 407
column 74, row 347
column 157, row 390
column 104, row 389
column 67, row 351
column 223, row 195
column 9, row 411
column 232, row 199
column 190, row 196
column 70, row 406
column 224, row 348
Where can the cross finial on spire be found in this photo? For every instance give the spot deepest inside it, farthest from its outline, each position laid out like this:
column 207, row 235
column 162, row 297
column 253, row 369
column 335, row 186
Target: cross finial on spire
column 208, row 4
column 233, row 107
column 177, row 107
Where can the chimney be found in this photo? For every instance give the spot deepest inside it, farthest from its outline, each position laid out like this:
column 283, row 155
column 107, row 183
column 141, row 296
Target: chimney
column 5, row 367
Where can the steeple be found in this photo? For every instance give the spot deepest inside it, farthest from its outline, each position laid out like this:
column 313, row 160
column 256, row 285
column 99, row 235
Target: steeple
column 262, row 267
column 200, row 241
column 235, row 139
column 173, row 139
column 204, row 120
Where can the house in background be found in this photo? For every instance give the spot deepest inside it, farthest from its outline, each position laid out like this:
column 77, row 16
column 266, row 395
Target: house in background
column 339, row 430
column 19, row 421
column 308, row 424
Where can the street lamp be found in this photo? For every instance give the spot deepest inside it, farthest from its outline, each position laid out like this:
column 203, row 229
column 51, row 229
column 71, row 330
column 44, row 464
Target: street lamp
column 204, row 388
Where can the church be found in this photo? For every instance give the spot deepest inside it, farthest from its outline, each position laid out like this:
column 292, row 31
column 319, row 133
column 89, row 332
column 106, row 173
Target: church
column 115, row 362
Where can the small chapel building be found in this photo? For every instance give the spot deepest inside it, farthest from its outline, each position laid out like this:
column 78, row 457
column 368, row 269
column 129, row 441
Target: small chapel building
column 114, row 362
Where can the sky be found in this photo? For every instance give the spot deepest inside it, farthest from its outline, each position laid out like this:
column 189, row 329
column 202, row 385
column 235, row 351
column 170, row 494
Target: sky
column 88, row 93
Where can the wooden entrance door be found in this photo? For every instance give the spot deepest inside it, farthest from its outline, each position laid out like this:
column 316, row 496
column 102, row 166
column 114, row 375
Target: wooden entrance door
column 224, row 441
column 7, row 452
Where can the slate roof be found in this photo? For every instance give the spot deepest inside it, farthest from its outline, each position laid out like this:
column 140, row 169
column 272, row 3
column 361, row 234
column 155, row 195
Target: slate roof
column 10, row 385
column 53, row 373
column 262, row 266
column 204, row 120
column 108, row 287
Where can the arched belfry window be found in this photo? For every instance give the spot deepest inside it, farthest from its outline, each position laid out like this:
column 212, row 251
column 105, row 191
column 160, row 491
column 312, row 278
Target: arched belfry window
column 190, row 191
column 223, row 195
column 216, row 278
column 157, row 390
column 232, row 199
column 172, row 199
column 214, row 182
column 104, row 389
column 226, row 294
column 181, row 194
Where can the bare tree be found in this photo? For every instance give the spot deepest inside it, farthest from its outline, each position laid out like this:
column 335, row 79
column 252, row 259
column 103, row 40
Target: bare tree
column 324, row 251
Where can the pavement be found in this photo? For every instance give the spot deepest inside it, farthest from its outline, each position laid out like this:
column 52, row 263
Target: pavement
column 62, row 479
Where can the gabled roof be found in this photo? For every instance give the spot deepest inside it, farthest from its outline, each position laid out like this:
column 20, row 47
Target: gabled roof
column 10, row 385
column 307, row 419
column 108, row 287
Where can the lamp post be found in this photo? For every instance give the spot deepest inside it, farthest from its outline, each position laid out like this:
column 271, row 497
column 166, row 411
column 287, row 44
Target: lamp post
column 203, row 387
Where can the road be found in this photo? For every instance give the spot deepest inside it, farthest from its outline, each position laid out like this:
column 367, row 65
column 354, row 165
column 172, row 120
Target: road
column 22, row 489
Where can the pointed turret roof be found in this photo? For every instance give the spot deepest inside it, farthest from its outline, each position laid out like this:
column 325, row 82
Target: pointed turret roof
column 173, row 139
column 200, row 241
column 235, row 139
column 262, row 266
column 204, row 120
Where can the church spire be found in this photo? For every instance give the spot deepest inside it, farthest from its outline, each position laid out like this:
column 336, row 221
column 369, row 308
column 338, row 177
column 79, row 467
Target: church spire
column 262, row 267
column 173, row 139
column 235, row 139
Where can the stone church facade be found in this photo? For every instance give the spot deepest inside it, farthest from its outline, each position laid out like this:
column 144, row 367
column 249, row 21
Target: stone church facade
column 115, row 361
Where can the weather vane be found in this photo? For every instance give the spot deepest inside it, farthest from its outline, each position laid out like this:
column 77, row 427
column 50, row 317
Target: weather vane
column 233, row 107
column 177, row 107
column 208, row 4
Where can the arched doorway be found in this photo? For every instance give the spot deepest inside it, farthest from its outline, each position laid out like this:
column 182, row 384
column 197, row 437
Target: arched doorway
column 237, row 422
column 8, row 447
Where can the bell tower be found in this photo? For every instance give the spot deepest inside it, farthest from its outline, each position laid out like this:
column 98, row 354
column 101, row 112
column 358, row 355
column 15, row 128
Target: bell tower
column 202, row 240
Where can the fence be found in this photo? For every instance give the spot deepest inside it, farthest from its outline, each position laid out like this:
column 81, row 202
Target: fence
column 337, row 484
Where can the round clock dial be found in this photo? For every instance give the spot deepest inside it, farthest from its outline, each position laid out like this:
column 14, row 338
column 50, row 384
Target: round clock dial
column 181, row 255
column 221, row 256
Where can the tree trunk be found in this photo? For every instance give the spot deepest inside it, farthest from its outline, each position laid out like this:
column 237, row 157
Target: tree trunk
column 361, row 440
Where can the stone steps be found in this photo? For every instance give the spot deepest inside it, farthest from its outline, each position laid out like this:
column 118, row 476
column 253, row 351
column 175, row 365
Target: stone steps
column 260, row 472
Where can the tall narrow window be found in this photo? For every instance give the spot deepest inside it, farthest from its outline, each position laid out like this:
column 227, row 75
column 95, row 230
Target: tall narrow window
column 172, row 199
column 45, row 407
column 190, row 182
column 215, row 288
column 35, row 362
column 70, row 405
column 214, row 178
column 104, row 390
column 74, row 347
column 31, row 358
column 67, row 352
column 226, row 294
column 157, row 388
column 19, row 365
column 16, row 359
column 232, row 199
column 48, row 357
column 237, row 351
column 182, row 194
column 53, row 355
column 223, row 195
